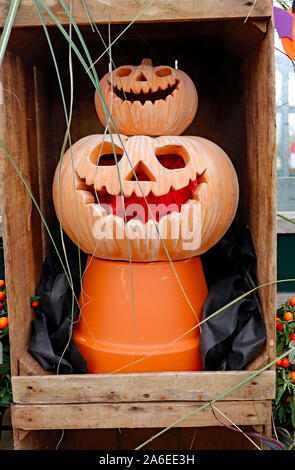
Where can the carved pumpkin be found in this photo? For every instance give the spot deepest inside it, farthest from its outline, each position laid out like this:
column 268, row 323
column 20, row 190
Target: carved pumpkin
column 189, row 183
column 148, row 100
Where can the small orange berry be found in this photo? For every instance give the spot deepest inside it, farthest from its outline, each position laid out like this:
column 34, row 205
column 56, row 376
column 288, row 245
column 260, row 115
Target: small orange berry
column 2, row 295
column 292, row 301
column 2, row 283
column 285, row 362
column 288, row 399
column 292, row 376
column 3, row 322
column 279, row 362
column 288, row 316
column 35, row 304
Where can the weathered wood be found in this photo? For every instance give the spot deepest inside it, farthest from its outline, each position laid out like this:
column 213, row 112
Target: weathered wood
column 214, row 438
column 129, row 439
column 166, row 386
column 260, row 172
column 283, row 225
column 133, row 415
column 21, row 223
column 29, row 366
column 261, row 25
column 125, row 11
column 36, row 440
column 20, row 434
column 47, row 160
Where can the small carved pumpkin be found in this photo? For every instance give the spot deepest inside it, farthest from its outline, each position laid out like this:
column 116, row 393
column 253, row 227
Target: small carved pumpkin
column 148, row 100
column 189, row 183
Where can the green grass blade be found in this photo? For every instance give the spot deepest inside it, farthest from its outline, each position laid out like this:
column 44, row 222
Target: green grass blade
column 40, row 212
column 14, row 4
column 286, row 218
column 124, row 31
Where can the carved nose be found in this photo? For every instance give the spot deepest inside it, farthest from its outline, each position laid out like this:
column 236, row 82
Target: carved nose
column 142, row 172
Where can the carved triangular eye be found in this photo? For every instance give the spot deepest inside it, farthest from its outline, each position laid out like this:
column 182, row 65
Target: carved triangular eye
column 142, row 173
column 172, row 157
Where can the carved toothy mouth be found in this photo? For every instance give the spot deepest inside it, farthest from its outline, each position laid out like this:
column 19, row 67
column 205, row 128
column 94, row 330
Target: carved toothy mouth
column 140, row 208
column 143, row 96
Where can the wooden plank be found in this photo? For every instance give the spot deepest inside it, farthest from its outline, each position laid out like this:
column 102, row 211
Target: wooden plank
column 47, row 158
column 36, row 440
column 146, row 387
column 260, row 168
column 89, row 439
column 29, row 366
column 129, row 439
column 21, row 223
column 216, row 438
column 125, row 11
column 283, row 225
column 133, row 415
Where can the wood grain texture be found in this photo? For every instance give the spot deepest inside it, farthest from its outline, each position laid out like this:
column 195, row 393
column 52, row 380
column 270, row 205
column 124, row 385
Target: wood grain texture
column 29, row 366
column 283, row 225
column 21, row 222
column 261, row 173
column 145, row 387
column 126, row 10
column 217, row 439
column 133, row 415
column 205, row 438
column 47, row 159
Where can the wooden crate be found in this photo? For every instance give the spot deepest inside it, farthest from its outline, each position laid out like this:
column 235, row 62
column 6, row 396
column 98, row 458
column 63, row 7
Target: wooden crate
column 232, row 64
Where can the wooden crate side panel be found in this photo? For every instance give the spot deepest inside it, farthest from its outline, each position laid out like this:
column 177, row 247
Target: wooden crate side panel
column 206, row 438
column 20, row 220
column 166, row 386
column 134, row 415
column 47, row 152
column 126, row 11
column 261, row 175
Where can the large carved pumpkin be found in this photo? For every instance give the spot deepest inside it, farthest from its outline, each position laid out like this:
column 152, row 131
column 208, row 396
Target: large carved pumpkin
column 189, row 183
column 148, row 100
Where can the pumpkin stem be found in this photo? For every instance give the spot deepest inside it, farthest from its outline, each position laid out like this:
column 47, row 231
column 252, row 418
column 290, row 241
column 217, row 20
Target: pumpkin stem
column 147, row 62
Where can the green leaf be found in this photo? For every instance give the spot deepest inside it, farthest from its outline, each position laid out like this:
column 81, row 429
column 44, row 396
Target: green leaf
column 281, row 414
column 280, row 391
column 292, row 406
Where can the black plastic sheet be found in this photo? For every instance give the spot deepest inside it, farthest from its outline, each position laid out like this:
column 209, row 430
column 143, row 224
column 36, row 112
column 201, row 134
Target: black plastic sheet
column 50, row 344
column 232, row 338
column 228, row 341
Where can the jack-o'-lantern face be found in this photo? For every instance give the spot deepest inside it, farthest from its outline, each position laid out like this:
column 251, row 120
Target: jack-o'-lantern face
column 180, row 194
column 148, row 100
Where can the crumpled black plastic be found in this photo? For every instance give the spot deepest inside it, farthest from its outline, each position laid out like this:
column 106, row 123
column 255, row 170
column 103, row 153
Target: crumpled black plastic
column 232, row 338
column 227, row 342
column 52, row 325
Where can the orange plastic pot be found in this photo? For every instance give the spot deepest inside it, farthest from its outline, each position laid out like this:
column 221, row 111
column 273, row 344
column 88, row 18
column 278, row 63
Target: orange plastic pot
column 111, row 335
